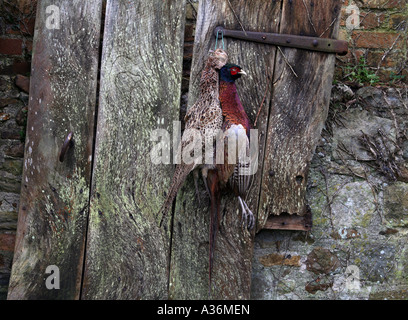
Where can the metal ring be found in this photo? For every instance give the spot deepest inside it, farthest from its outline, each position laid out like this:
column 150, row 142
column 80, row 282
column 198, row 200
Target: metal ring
column 67, row 143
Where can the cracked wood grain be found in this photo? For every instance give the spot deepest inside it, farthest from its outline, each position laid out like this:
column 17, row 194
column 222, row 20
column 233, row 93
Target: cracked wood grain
column 127, row 253
column 54, row 199
column 298, row 110
column 234, row 244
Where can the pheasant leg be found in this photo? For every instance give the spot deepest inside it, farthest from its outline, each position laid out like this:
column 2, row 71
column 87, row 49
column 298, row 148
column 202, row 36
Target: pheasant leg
column 247, row 215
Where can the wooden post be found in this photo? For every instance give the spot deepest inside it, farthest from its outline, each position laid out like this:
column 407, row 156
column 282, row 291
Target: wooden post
column 301, row 93
column 54, row 199
column 127, row 253
column 234, row 245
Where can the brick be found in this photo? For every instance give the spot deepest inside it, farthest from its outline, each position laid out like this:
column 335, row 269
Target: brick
column 383, row 4
column 27, row 26
column 188, row 51
column 7, row 70
column 21, row 67
column 12, row 134
column 7, row 101
column 376, row 40
column 29, row 46
column 11, row 46
column 398, row 22
column 390, row 60
column 23, row 83
column 7, row 242
column 27, row 6
column 384, row 74
column 13, row 30
column 189, row 32
column 18, row 67
column 352, row 56
column 15, row 151
column 371, row 20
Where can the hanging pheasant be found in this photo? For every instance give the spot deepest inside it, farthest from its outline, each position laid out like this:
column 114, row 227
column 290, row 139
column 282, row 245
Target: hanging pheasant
column 237, row 175
column 205, row 117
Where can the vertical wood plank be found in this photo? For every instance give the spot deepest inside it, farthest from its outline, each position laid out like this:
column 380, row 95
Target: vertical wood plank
column 54, row 198
column 234, row 245
column 127, row 253
column 299, row 108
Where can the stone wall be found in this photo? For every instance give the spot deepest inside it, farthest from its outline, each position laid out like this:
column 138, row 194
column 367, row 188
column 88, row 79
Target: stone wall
column 358, row 201
column 16, row 34
column 358, row 193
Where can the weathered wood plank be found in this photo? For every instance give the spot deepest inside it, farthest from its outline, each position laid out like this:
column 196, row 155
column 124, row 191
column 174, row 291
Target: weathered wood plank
column 127, row 253
column 233, row 255
column 54, row 198
column 289, row 222
column 299, row 108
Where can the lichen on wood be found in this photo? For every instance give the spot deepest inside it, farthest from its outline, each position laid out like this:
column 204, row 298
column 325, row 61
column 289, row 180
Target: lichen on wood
column 54, row 197
column 233, row 254
column 127, row 253
column 299, row 108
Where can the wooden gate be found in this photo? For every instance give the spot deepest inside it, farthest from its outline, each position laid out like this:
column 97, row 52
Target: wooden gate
column 87, row 224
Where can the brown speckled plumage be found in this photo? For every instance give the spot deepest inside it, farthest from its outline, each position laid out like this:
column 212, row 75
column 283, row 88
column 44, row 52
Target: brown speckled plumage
column 204, row 117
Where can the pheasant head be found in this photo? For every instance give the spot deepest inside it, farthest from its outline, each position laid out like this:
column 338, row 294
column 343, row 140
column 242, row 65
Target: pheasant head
column 231, row 72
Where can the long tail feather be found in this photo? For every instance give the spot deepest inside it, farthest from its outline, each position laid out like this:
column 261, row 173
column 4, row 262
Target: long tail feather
column 214, row 220
column 179, row 177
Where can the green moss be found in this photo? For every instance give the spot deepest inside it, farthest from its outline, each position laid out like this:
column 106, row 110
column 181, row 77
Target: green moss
column 365, row 220
column 361, row 73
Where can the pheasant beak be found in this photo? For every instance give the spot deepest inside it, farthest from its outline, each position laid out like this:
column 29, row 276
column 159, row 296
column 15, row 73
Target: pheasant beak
column 242, row 72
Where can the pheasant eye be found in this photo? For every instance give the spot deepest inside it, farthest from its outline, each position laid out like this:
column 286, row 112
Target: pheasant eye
column 234, row 71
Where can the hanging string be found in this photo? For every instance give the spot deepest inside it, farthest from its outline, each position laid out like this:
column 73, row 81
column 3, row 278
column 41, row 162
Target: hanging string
column 222, row 39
